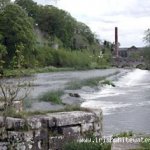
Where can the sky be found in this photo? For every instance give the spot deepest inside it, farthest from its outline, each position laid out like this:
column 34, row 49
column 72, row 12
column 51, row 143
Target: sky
column 132, row 17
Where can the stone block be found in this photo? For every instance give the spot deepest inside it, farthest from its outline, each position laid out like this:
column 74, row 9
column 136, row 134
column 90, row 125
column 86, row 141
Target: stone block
column 87, row 127
column 73, row 118
column 20, row 140
column 15, row 123
column 34, row 122
column 71, row 131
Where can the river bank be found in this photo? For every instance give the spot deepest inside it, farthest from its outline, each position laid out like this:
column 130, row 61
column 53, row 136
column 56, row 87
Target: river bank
column 31, row 71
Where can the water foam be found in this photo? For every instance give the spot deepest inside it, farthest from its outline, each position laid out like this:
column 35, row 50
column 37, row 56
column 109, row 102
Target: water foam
column 133, row 78
column 123, row 85
column 107, row 107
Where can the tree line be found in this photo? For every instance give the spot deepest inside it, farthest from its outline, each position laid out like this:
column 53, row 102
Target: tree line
column 29, row 32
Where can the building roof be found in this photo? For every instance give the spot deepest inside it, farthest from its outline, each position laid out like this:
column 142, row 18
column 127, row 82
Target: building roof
column 130, row 48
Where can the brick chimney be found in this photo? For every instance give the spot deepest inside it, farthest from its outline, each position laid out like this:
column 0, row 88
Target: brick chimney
column 116, row 41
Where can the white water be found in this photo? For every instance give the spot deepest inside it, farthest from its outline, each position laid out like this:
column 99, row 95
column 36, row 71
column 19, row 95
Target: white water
column 126, row 107
column 125, row 85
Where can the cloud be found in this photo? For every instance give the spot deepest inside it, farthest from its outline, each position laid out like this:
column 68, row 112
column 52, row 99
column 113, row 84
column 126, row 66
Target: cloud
column 131, row 16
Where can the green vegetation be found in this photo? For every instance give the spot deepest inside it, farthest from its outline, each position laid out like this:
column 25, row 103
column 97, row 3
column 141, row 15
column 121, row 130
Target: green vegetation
column 92, row 82
column 145, row 144
column 89, row 142
column 108, row 82
column 124, row 134
column 30, row 71
column 25, row 114
column 52, row 96
column 87, row 82
column 146, row 56
column 42, row 36
column 146, row 52
column 87, row 146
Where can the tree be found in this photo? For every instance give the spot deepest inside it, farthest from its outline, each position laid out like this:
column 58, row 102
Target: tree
column 30, row 7
column 57, row 23
column 146, row 51
column 147, row 37
column 16, row 27
column 3, row 3
column 11, row 93
column 85, row 31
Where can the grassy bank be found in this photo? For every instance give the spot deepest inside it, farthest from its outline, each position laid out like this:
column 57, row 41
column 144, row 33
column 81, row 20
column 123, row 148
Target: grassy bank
column 31, row 71
column 92, row 82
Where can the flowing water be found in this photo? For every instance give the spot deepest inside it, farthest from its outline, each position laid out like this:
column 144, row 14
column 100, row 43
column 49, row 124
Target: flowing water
column 126, row 107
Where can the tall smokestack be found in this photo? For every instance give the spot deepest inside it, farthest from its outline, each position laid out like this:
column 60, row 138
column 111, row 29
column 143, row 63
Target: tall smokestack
column 116, row 41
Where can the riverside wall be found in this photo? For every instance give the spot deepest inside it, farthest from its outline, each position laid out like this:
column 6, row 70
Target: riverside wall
column 50, row 131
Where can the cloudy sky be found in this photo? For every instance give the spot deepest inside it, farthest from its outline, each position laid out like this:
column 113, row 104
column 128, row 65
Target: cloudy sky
column 132, row 17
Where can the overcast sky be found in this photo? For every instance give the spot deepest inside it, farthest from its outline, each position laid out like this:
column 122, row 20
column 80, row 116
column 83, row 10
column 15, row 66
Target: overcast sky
column 132, row 17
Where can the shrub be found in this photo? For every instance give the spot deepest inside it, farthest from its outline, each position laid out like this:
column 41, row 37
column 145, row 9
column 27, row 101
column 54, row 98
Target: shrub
column 52, row 96
column 87, row 146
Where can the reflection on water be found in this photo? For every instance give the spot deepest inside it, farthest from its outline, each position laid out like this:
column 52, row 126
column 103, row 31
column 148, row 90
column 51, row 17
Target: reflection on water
column 126, row 106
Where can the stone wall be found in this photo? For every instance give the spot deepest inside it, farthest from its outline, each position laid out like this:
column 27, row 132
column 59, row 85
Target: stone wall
column 50, row 131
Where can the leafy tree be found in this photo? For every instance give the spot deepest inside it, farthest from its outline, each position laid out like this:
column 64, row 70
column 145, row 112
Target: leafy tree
column 146, row 51
column 84, row 30
column 147, row 37
column 29, row 6
column 3, row 52
column 3, row 3
column 57, row 23
column 16, row 27
column 18, row 59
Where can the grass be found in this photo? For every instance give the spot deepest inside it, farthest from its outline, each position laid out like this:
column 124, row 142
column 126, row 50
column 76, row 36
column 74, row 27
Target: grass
column 88, row 82
column 123, row 134
column 87, row 146
column 51, row 96
column 92, row 82
column 30, row 71
column 25, row 114
column 145, row 144
column 89, row 142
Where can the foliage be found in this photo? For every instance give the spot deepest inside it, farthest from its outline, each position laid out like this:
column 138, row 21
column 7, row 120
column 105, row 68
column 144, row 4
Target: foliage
column 16, row 31
column 18, row 59
column 145, row 143
column 123, row 134
column 87, row 146
column 29, row 71
column 87, row 82
column 10, row 92
column 3, row 53
column 3, row 4
column 30, row 6
column 147, row 37
column 52, row 96
column 146, row 56
column 54, row 22
column 29, row 39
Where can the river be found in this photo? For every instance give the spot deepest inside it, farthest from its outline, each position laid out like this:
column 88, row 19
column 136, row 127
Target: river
column 126, row 107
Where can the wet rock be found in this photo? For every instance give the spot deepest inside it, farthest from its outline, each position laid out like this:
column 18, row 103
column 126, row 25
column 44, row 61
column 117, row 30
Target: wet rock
column 74, row 95
column 67, row 99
